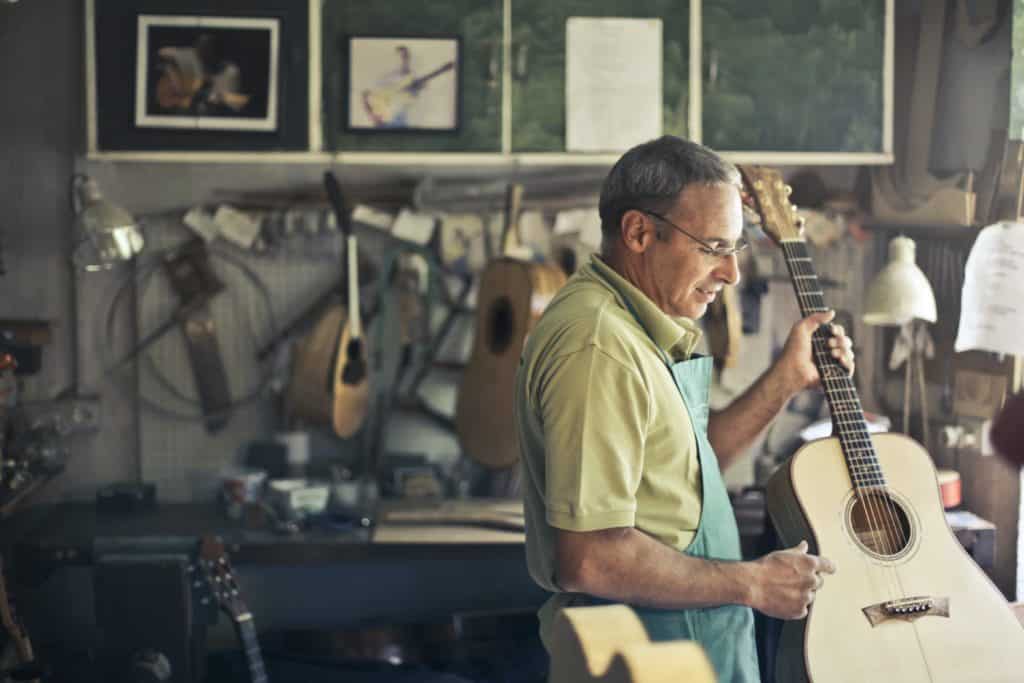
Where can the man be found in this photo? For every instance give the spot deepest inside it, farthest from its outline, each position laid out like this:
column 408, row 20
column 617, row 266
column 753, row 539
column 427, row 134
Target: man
column 624, row 498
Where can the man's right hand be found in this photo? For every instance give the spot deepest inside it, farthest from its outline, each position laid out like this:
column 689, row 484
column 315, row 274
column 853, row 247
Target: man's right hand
column 785, row 581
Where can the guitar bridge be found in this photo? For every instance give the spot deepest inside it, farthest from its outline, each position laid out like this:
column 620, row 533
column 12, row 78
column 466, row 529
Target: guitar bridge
column 907, row 609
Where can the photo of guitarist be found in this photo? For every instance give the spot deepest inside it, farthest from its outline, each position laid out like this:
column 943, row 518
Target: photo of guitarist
column 402, row 97
column 623, row 492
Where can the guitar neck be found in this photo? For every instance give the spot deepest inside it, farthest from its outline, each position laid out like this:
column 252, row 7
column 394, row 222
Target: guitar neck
column 247, row 633
column 840, row 391
column 433, row 74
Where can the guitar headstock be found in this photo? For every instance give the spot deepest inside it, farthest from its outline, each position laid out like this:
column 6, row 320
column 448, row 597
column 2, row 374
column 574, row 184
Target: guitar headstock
column 336, row 198
column 767, row 194
column 213, row 562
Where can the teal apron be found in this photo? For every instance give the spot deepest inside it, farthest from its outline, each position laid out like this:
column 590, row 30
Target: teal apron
column 726, row 632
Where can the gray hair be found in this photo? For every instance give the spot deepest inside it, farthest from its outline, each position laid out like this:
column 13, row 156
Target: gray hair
column 651, row 176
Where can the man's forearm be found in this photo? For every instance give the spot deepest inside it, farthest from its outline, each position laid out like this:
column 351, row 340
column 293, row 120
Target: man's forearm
column 733, row 429
column 639, row 570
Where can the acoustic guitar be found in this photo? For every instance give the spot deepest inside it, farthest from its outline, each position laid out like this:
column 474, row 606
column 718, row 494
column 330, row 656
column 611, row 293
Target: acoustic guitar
column 386, row 103
column 216, row 568
column 907, row 603
column 350, row 371
column 512, row 296
column 609, row 644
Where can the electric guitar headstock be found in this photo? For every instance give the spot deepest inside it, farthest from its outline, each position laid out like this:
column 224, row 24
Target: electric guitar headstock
column 213, row 561
column 767, row 195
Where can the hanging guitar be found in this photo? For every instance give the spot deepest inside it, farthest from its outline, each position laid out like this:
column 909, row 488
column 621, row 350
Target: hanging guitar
column 213, row 561
column 350, row 371
column 513, row 294
column 609, row 644
column 907, row 603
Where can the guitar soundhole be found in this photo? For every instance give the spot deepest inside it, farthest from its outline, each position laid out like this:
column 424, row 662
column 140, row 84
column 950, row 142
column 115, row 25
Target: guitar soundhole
column 880, row 524
column 501, row 323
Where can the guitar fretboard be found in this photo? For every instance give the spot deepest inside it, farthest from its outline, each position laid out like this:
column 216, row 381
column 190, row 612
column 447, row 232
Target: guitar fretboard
column 247, row 633
column 843, row 401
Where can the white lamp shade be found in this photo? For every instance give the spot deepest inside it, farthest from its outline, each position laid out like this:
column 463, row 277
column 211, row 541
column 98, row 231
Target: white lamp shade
column 900, row 293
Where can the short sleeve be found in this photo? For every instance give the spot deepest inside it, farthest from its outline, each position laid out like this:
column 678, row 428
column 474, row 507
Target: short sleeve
column 595, row 411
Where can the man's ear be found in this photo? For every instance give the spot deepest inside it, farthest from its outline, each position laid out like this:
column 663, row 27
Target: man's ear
column 637, row 232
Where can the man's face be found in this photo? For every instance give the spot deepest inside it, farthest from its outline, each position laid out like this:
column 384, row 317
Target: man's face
column 403, row 57
column 685, row 279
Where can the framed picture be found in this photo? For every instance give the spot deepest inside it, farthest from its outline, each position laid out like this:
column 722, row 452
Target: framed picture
column 198, row 75
column 403, row 84
column 206, row 72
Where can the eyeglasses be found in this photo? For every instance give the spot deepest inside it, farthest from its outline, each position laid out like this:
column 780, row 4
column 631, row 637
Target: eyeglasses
column 706, row 248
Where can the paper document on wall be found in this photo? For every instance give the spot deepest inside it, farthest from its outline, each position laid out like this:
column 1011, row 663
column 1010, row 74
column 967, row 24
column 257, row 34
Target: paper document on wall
column 612, row 83
column 992, row 305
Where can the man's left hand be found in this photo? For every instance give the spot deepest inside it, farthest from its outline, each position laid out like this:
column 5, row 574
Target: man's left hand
column 797, row 359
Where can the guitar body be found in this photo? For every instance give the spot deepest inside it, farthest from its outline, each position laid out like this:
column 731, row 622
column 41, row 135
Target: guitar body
column 513, row 295
column 811, row 498
column 350, row 401
column 314, row 395
column 310, row 392
column 609, row 644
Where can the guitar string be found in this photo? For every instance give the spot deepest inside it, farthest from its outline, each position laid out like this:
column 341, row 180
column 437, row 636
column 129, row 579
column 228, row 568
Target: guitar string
column 841, row 389
column 879, row 507
column 855, row 439
column 808, row 306
column 855, row 429
column 850, row 430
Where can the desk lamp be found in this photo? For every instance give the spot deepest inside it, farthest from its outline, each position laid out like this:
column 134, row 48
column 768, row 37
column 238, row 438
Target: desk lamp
column 900, row 295
column 105, row 233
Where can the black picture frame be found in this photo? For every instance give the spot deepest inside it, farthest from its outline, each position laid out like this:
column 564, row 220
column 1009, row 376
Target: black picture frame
column 397, row 84
column 264, row 52
column 207, row 72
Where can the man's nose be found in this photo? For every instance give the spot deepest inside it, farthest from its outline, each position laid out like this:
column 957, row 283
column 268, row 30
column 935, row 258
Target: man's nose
column 728, row 270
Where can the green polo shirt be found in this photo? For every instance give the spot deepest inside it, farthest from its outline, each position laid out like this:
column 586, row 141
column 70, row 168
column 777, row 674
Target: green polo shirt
column 604, row 436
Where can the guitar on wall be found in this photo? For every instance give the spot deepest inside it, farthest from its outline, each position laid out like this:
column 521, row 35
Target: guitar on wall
column 350, row 370
column 213, row 561
column 907, row 603
column 512, row 296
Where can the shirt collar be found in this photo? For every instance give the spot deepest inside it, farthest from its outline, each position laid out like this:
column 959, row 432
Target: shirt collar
column 676, row 336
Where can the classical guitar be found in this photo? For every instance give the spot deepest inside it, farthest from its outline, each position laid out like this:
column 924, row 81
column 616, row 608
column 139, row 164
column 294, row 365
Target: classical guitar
column 512, row 296
column 907, row 603
column 609, row 644
column 12, row 624
column 384, row 104
column 350, row 371
column 214, row 563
